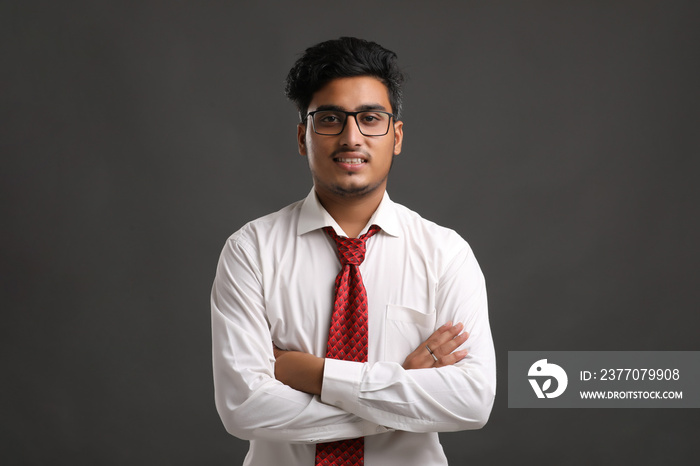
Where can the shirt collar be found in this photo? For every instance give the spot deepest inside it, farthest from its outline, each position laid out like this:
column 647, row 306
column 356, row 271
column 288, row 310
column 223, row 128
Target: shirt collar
column 313, row 216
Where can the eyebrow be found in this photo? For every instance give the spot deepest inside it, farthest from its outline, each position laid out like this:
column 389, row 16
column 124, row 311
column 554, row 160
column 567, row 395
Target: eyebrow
column 361, row 108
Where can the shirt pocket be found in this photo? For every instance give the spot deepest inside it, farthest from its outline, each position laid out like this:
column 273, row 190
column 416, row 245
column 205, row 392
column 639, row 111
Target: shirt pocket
column 405, row 329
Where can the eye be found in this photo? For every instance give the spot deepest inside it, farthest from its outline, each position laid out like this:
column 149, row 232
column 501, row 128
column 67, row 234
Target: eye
column 372, row 118
column 328, row 118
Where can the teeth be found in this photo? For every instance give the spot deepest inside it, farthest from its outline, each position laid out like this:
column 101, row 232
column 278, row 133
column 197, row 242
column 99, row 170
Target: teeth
column 352, row 161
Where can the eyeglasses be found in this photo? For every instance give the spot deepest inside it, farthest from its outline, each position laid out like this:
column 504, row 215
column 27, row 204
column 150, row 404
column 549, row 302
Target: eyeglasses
column 332, row 122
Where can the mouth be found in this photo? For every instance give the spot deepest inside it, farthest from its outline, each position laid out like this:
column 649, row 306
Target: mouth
column 350, row 160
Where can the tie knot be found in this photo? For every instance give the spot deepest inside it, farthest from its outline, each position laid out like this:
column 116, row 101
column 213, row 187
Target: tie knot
column 351, row 250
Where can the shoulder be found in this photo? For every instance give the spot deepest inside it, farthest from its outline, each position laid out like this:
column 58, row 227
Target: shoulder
column 264, row 229
column 424, row 231
column 436, row 244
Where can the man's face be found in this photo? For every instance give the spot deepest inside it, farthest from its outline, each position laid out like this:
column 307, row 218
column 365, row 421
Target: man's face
column 350, row 164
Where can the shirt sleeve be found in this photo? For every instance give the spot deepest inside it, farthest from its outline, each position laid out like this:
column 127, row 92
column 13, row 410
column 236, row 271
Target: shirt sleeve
column 250, row 401
column 450, row 398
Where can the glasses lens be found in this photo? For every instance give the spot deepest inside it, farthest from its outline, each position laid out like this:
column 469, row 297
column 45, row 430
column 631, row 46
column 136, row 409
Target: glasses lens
column 329, row 122
column 373, row 123
column 332, row 122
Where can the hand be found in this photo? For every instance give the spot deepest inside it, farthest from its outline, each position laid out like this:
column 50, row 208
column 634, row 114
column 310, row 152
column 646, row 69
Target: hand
column 443, row 343
column 301, row 371
column 277, row 352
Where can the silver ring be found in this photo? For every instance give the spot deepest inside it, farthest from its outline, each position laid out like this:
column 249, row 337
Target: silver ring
column 431, row 353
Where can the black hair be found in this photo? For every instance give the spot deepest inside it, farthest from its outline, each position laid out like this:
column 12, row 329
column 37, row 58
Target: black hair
column 343, row 58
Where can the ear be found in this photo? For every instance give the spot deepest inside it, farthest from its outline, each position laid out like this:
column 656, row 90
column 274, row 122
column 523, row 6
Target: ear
column 398, row 137
column 301, row 138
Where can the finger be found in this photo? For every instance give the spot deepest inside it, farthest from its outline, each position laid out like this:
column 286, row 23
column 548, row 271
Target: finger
column 451, row 345
column 451, row 358
column 444, row 335
column 421, row 357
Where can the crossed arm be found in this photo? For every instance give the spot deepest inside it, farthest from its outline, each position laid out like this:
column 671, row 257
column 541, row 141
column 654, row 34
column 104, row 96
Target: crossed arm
column 262, row 392
column 304, row 371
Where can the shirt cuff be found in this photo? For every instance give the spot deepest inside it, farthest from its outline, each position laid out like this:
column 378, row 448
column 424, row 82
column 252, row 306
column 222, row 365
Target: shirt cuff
column 341, row 382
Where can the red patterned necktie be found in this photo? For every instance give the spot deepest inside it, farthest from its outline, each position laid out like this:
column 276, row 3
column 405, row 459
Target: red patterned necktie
column 347, row 338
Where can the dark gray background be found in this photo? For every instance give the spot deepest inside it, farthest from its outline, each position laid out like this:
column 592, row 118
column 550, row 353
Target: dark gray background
column 559, row 138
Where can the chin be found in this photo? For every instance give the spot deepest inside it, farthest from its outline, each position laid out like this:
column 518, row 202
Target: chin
column 352, row 191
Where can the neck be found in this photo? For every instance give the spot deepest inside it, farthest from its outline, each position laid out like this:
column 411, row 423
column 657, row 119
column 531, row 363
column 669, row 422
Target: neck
column 352, row 214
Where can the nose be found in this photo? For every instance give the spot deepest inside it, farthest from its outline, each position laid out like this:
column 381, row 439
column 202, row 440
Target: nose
column 351, row 134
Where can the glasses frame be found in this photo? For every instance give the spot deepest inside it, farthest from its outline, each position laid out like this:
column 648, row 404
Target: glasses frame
column 347, row 117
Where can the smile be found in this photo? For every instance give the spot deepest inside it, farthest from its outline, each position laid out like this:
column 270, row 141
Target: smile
column 350, row 161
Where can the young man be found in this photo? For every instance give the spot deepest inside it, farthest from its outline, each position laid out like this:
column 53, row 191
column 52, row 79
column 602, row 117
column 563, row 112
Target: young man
column 347, row 329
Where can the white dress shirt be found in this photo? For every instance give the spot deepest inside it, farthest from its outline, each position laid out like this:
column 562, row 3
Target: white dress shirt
column 275, row 282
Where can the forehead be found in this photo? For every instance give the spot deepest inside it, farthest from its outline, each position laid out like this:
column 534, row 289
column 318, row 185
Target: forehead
column 352, row 94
